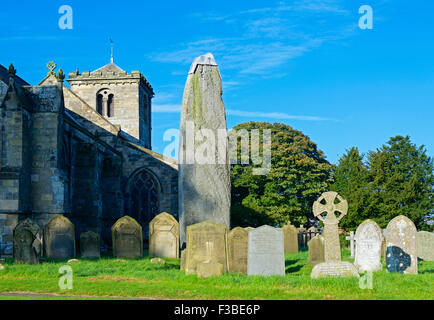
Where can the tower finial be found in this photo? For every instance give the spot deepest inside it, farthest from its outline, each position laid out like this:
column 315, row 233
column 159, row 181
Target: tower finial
column 111, row 46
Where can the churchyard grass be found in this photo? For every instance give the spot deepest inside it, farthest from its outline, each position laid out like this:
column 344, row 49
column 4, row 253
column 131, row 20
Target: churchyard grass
column 111, row 277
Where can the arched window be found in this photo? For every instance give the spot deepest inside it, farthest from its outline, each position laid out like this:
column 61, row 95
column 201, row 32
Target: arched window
column 99, row 104
column 143, row 194
column 110, row 105
column 105, row 103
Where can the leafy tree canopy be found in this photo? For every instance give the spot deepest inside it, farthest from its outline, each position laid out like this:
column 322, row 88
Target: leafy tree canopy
column 299, row 174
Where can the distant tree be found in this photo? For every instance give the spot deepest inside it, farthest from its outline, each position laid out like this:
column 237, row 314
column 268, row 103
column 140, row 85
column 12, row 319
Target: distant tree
column 396, row 179
column 299, row 174
column 402, row 182
column 351, row 182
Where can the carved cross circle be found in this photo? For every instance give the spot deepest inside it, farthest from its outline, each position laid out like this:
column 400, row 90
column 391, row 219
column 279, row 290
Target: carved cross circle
column 330, row 207
column 51, row 66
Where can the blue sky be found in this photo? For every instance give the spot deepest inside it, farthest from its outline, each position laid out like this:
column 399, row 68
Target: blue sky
column 303, row 63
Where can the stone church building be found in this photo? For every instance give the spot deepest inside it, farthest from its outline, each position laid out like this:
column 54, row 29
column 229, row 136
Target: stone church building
column 83, row 152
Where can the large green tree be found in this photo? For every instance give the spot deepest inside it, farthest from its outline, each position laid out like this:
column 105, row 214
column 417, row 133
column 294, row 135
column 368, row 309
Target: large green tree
column 396, row 179
column 299, row 174
column 402, row 181
column 351, row 182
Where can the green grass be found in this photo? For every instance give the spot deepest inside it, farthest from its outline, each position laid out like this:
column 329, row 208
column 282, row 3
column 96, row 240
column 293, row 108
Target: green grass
column 109, row 278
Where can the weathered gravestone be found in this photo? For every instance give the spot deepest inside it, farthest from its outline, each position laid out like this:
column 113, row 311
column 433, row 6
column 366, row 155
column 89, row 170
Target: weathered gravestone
column 334, row 269
column 266, row 254
column 401, row 246
column 316, row 250
column 331, row 202
column 204, row 169
column 90, row 245
column 183, row 258
column 59, row 238
column 127, row 238
column 369, row 238
column 425, row 245
column 237, row 250
column 164, row 236
column 27, row 242
column 290, row 238
column 206, row 242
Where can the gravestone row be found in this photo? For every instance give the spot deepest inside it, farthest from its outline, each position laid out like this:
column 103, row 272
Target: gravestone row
column 58, row 239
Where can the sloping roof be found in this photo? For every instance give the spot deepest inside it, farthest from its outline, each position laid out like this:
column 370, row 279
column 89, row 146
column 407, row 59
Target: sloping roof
column 108, row 68
column 5, row 77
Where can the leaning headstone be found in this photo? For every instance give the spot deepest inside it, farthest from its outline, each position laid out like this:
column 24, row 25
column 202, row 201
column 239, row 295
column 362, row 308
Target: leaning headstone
column 204, row 169
column 27, row 242
column 127, row 238
column 266, row 254
column 164, row 236
column 290, row 238
column 237, row 250
column 331, row 202
column 401, row 246
column 425, row 245
column 369, row 238
column 90, row 245
column 206, row 242
column 316, row 250
column 59, row 238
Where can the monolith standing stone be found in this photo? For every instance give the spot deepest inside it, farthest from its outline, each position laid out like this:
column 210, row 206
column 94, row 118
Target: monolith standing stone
column 204, row 185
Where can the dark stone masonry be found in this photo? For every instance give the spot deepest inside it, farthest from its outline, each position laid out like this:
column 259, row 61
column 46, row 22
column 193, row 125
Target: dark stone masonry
column 82, row 152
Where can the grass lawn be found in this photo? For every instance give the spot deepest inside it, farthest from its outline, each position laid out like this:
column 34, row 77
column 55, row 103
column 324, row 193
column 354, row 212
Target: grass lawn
column 114, row 278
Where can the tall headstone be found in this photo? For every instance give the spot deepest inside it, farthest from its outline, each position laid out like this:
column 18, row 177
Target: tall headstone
column 425, row 245
column 90, row 245
column 327, row 203
column 266, row 254
column 206, row 243
column 127, row 238
column 401, row 246
column 237, row 250
column 290, row 238
column 331, row 202
column 204, row 185
column 59, row 238
column 27, row 242
column 164, row 236
column 316, row 250
column 369, row 238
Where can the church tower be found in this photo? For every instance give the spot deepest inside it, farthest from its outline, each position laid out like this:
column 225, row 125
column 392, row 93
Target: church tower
column 123, row 99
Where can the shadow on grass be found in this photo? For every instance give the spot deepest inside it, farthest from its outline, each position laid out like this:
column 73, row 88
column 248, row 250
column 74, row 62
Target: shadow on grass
column 292, row 266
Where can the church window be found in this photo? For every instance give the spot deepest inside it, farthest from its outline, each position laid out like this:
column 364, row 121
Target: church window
column 99, row 104
column 144, row 203
column 110, row 105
